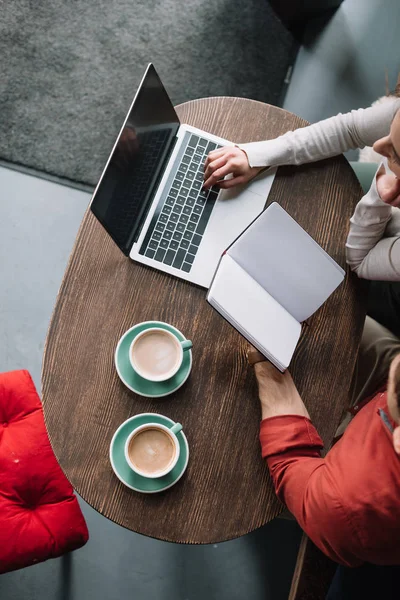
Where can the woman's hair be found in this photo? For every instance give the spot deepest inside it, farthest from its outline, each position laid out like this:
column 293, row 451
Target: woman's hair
column 397, row 391
column 394, row 381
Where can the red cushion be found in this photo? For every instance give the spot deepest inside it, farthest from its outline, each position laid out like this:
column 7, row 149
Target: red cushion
column 40, row 516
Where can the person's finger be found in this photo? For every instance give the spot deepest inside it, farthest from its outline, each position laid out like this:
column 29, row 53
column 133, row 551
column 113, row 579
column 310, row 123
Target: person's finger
column 228, row 183
column 214, row 154
column 208, row 183
column 394, row 185
column 212, row 180
column 392, row 190
column 219, row 174
column 397, row 186
column 388, row 187
column 215, row 164
column 395, row 202
column 381, row 170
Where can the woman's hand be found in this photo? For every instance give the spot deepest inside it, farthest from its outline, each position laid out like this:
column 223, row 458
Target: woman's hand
column 226, row 161
column 388, row 187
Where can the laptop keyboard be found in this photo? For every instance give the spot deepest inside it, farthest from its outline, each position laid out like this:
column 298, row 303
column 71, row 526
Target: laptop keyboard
column 177, row 229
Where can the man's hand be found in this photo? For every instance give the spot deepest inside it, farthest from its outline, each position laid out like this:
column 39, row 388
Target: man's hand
column 226, row 161
column 277, row 392
column 388, row 187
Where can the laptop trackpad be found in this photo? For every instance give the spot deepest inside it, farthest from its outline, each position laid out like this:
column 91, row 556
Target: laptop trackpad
column 234, row 210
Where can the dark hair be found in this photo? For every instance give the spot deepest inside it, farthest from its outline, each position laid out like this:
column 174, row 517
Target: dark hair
column 397, row 391
column 395, row 377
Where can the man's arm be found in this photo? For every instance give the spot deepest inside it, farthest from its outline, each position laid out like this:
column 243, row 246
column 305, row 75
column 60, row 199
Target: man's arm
column 302, row 479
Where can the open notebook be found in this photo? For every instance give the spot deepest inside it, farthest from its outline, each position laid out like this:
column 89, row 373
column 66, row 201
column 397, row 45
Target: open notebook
column 271, row 279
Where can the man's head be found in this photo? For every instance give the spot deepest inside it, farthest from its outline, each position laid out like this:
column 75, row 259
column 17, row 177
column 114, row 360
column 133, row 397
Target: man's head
column 389, row 146
column 393, row 399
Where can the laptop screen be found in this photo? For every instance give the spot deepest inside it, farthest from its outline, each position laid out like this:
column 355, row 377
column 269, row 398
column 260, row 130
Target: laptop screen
column 129, row 181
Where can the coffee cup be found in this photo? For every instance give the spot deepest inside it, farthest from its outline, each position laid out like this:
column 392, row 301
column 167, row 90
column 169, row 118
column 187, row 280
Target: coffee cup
column 152, row 450
column 156, row 354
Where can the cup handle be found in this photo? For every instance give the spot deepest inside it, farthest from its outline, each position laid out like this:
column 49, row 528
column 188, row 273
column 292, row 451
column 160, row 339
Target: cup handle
column 186, row 345
column 176, row 428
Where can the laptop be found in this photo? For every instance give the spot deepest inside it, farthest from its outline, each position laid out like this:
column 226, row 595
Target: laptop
column 149, row 197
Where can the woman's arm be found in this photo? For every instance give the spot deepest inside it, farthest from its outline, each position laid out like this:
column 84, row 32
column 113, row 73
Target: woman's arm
column 330, row 137
column 373, row 242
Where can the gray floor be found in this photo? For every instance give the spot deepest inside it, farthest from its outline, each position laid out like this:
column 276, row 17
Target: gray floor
column 343, row 69
column 70, row 69
column 118, row 564
column 347, row 65
column 38, row 224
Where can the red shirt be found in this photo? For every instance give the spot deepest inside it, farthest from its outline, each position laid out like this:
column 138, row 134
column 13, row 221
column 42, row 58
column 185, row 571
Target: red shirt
column 348, row 503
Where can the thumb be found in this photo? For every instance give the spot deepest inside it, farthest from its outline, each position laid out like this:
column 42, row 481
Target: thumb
column 395, row 186
column 388, row 187
column 393, row 192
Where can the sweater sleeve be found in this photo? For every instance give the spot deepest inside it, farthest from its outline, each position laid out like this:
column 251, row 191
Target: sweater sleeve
column 330, row 137
column 304, row 482
column 373, row 242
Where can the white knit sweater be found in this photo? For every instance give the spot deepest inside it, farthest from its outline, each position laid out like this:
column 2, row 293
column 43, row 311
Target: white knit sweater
column 373, row 246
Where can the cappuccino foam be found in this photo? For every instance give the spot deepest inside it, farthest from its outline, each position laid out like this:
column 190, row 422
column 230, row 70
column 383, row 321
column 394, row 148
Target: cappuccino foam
column 156, row 354
column 151, row 450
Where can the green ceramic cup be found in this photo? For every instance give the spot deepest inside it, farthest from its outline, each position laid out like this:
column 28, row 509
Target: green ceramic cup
column 137, row 384
column 171, row 433
column 180, row 346
column 123, row 471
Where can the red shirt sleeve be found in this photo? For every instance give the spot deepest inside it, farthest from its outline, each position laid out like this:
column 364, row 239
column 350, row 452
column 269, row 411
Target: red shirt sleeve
column 302, row 480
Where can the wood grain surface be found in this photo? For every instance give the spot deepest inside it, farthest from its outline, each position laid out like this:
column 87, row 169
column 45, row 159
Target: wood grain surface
column 226, row 491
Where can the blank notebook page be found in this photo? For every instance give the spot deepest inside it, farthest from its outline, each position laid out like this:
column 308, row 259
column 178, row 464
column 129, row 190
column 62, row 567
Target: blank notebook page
column 287, row 262
column 249, row 308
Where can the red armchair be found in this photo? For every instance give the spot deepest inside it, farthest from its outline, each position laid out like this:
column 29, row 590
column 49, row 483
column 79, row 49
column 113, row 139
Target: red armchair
column 40, row 517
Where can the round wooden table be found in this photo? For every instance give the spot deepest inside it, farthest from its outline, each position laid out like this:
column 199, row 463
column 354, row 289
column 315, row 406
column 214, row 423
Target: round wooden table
column 226, row 490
